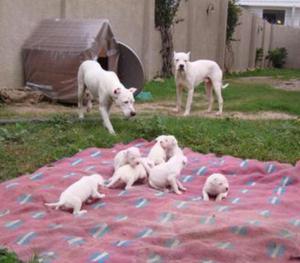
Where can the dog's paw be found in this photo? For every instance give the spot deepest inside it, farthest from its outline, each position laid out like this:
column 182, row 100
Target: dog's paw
column 178, row 192
column 176, row 110
column 205, row 198
column 81, row 212
column 112, row 132
column 186, row 114
column 183, row 189
column 101, row 195
column 218, row 113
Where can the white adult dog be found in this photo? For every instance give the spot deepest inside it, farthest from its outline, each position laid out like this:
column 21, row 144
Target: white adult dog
column 190, row 74
column 166, row 174
column 163, row 149
column 129, row 156
column 129, row 175
column 216, row 185
column 96, row 82
column 79, row 192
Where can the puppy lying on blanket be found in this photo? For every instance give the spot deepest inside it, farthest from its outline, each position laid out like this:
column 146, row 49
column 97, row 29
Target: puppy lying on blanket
column 129, row 175
column 166, row 174
column 163, row 149
column 216, row 185
column 79, row 192
column 129, row 156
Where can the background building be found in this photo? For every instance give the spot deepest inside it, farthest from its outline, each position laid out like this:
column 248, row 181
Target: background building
column 280, row 12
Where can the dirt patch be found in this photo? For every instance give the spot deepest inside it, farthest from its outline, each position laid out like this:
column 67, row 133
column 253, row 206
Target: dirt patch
column 168, row 110
column 289, row 85
column 40, row 109
column 45, row 109
column 21, row 95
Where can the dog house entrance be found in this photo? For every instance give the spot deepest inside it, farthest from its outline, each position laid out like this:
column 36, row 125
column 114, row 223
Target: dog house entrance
column 103, row 59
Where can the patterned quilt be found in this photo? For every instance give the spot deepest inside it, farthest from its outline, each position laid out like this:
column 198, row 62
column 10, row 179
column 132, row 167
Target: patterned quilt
column 258, row 222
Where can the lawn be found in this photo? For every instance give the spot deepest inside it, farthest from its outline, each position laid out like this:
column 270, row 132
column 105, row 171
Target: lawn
column 24, row 147
column 242, row 97
column 284, row 74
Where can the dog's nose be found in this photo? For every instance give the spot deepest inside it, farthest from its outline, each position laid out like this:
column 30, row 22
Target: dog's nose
column 181, row 66
column 132, row 113
column 226, row 189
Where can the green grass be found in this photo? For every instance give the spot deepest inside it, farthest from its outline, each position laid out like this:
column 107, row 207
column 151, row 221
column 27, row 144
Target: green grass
column 242, row 97
column 11, row 257
column 161, row 90
column 260, row 97
column 28, row 146
column 25, row 147
column 271, row 72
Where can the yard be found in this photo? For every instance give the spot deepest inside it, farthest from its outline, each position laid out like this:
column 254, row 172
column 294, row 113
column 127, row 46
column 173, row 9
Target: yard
column 261, row 121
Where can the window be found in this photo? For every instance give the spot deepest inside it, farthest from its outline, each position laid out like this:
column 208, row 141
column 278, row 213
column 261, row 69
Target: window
column 274, row 16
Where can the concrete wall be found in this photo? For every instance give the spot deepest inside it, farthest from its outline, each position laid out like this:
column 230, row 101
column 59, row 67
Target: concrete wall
column 132, row 21
column 253, row 33
column 126, row 17
column 18, row 18
column 289, row 38
column 203, row 31
column 242, row 44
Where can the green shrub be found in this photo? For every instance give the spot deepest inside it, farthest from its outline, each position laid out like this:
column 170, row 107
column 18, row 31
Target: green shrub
column 233, row 14
column 259, row 55
column 277, row 56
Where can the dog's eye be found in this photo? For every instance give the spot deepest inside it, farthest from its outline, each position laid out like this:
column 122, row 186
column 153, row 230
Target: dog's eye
column 126, row 102
column 185, row 61
column 220, row 183
column 177, row 60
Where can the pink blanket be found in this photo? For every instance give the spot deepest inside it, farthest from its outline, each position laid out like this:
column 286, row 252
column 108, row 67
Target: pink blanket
column 258, row 222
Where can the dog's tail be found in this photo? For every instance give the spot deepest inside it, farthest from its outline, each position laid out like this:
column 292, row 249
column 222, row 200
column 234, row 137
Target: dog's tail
column 56, row 205
column 225, row 86
column 147, row 167
column 113, row 179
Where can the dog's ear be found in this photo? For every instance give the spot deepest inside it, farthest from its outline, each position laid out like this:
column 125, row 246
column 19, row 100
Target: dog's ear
column 132, row 90
column 117, row 91
column 174, row 141
column 159, row 138
column 189, row 55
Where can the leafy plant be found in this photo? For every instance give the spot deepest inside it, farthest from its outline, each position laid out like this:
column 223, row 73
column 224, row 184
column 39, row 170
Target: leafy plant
column 259, row 55
column 233, row 14
column 8, row 257
column 277, row 56
column 17, row 135
column 151, row 128
column 165, row 18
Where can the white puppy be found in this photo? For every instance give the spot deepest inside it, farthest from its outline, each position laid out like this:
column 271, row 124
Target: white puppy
column 106, row 86
column 128, row 175
column 79, row 192
column 163, row 149
column 217, row 186
column 166, row 174
column 190, row 74
column 129, row 156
